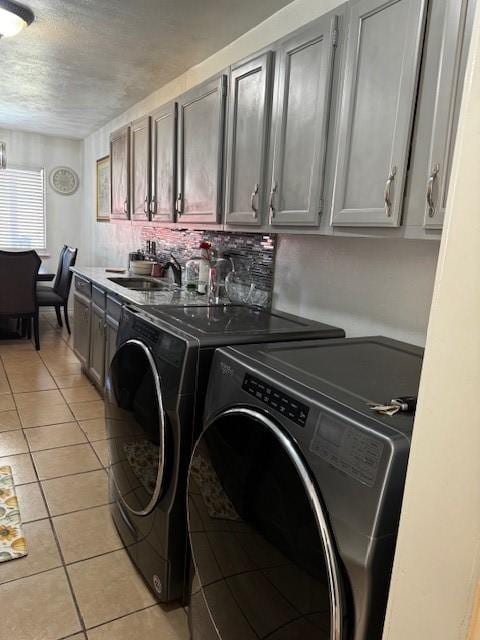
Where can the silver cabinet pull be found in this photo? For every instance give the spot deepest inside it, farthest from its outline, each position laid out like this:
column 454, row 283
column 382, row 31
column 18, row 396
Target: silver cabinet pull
column 145, row 206
column 272, row 195
column 179, row 204
column 388, row 191
column 125, row 206
column 252, row 199
column 430, row 183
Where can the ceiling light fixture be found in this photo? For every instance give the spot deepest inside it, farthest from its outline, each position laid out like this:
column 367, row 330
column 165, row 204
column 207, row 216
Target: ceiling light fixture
column 13, row 18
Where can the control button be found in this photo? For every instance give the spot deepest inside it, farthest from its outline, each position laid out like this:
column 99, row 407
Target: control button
column 281, row 402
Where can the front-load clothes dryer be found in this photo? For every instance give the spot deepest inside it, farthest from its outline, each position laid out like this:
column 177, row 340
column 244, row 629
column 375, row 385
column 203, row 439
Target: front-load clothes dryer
column 154, row 401
column 295, row 488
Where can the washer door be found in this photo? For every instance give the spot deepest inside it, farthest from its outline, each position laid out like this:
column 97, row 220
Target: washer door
column 136, row 427
column 264, row 559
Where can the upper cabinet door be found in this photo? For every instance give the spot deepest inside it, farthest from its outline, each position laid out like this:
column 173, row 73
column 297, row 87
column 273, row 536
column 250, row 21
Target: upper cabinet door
column 374, row 127
column 119, row 173
column 443, row 78
column 201, row 120
column 140, row 168
column 299, row 129
column 248, row 131
column 164, row 141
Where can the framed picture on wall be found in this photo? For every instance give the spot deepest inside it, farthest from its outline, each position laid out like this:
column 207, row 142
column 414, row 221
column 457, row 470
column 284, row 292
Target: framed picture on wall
column 103, row 189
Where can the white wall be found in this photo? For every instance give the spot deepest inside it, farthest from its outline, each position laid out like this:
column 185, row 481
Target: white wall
column 366, row 286
column 64, row 213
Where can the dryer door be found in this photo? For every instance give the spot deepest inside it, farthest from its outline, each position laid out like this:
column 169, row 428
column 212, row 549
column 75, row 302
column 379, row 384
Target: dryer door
column 263, row 555
column 136, row 427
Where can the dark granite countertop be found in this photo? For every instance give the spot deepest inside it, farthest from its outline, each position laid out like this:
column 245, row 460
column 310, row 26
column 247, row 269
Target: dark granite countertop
column 171, row 295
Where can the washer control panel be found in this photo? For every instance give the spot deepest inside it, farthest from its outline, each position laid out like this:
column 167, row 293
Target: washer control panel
column 146, row 331
column 281, row 402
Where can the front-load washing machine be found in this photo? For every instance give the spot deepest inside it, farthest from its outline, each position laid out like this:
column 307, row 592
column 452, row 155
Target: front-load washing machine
column 295, row 488
column 154, row 400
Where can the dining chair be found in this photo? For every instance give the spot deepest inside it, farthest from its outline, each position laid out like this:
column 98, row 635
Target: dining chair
column 57, row 296
column 48, row 287
column 18, row 278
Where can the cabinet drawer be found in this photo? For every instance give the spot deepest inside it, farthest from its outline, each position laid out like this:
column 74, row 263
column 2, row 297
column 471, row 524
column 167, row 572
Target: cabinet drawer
column 98, row 296
column 83, row 286
column 114, row 308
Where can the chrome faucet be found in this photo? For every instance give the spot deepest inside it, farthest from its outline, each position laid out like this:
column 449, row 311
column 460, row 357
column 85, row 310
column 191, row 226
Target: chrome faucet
column 174, row 265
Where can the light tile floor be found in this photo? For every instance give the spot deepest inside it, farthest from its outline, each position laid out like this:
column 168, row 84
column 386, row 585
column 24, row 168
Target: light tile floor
column 77, row 580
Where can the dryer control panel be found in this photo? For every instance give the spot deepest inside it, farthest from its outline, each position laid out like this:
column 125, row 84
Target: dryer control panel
column 278, row 400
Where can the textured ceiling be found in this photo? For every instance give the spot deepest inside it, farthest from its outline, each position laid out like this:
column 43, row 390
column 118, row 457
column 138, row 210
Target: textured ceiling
column 82, row 62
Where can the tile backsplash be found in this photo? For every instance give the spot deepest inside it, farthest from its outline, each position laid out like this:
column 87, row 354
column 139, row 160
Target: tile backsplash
column 253, row 253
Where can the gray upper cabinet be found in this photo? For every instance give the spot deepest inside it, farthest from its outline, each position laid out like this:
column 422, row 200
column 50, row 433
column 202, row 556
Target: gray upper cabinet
column 248, row 131
column 300, row 120
column 164, row 140
column 120, row 173
column 442, row 80
column 378, row 99
column 140, row 168
column 201, row 122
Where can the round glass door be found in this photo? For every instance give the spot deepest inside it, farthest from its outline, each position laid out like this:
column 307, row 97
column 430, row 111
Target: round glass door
column 136, row 427
column 264, row 561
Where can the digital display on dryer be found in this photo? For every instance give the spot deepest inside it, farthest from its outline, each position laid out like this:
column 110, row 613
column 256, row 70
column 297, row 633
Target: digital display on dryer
column 281, row 402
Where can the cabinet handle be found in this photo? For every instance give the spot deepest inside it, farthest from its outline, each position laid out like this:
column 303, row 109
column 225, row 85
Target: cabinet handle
column 388, row 191
column 125, row 206
column 252, row 199
column 179, row 204
column 271, row 205
column 145, row 206
column 430, row 183
column 152, row 207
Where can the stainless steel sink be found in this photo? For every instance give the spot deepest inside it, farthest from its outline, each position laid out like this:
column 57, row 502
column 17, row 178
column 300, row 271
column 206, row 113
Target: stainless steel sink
column 142, row 284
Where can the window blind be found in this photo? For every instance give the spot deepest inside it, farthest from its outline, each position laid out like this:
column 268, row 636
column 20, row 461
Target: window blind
column 22, row 209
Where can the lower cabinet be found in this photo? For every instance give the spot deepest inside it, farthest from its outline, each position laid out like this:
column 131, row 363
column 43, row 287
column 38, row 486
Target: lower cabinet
column 96, row 323
column 81, row 331
column 111, row 332
column 96, row 369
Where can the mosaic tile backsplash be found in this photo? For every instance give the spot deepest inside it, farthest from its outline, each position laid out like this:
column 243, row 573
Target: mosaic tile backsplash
column 253, row 253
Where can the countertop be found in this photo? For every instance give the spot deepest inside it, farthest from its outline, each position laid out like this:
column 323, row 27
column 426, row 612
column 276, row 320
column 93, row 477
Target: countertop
column 171, row 295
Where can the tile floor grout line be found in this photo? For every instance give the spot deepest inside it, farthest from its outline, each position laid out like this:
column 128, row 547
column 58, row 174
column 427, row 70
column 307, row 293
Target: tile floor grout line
column 67, row 475
column 52, row 424
column 125, row 615
column 97, row 555
column 62, row 558
column 66, row 513
column 35, row 573
column 63, row 446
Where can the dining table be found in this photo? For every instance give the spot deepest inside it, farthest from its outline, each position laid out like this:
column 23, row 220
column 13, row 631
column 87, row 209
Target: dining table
column 44, row 275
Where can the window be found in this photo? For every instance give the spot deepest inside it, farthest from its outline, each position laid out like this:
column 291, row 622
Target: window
column 22, row 208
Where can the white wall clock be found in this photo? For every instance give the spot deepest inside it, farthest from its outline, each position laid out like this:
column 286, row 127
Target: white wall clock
column 64, row 180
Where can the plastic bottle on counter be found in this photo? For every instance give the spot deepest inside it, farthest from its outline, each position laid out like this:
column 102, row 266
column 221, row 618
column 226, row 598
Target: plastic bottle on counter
column 192, row 270
column 204, row 267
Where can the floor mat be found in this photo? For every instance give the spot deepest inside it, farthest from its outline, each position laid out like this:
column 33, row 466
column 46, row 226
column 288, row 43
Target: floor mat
column 12, row 542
